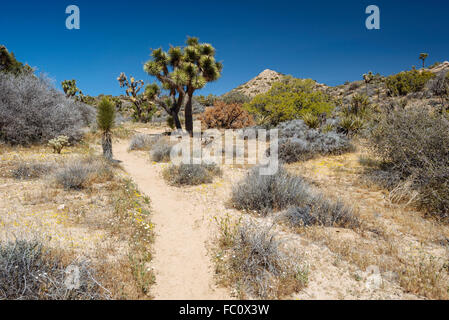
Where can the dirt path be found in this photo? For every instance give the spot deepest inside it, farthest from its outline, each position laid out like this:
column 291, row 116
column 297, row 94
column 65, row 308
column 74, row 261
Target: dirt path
column 181, row 263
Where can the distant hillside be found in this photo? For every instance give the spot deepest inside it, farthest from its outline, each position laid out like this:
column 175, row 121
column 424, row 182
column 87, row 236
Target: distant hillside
column 260, row 84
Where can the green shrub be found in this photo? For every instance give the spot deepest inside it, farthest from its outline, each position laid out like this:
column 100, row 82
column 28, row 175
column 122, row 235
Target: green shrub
column 407, row 82
column 288, row 100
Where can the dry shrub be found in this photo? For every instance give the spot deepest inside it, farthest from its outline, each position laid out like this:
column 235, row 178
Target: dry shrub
column 33, row 170
column 142, row 142
column 227, row 116
column 414, row 147
column 260, row 267
column 78, row 174
column 32, row 111
column 263, row 194
column 320, row 211
column 299, row 143
column 191, row 174
column 160, row 151
column 28, row 271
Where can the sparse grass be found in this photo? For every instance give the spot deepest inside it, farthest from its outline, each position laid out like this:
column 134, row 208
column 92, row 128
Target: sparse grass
column 32, row 170
column 131, row 218
column 254, row 262
column 191, row 174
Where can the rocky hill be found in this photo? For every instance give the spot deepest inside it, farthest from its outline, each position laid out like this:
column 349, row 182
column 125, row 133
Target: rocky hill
column 260, row 84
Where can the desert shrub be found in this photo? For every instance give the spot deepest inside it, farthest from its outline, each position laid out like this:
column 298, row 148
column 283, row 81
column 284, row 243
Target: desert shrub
column 321, row 211
column 354, row 86
column 74, row 175
column 160, row 152
column 288, row 100
column 407, row 82
column 31, row 111
column 226, row 116
column 263, row 194
column 414, row 147
column 141, row 142
column 439, row 86
column 191, row 174
column 235, row 97
column 30, row 272
column 77, row 174
column 260, row 267
column 33, row 170
column 298, row 143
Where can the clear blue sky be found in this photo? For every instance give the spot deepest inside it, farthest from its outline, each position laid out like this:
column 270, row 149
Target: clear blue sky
column 323, row 40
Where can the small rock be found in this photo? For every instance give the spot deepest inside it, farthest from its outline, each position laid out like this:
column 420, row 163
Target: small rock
column 61, row 207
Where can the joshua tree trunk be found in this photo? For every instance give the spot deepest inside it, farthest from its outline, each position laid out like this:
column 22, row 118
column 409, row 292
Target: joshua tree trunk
column 175, row 117
column 106, row 142
column 188, row 114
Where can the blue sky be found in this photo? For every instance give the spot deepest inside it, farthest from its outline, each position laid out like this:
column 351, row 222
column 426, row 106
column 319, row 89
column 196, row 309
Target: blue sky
column 323, row 40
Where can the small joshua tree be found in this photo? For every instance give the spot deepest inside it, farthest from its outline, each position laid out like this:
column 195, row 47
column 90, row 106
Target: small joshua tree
column 181, row 71
column 142, row 108
column 105, row 121
column 368, row 77
column 423, row 57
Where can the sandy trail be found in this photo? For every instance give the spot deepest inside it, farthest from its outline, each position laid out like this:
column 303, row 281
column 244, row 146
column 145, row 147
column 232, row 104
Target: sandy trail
column 181, row 263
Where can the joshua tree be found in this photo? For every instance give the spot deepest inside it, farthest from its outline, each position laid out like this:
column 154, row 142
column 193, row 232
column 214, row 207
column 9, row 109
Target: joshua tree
column 142, row 108
column 423, row 57
column 181, row 71
column 70, row 89
column 368, row 77
column 105, row 121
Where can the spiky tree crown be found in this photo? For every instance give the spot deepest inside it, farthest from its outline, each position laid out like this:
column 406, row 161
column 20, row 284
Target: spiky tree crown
column 423, row 56
column 106, row 115
column 190, row 67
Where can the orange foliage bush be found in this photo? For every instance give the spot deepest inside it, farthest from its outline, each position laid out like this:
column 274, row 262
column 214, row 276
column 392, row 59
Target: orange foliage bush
column 226, row 116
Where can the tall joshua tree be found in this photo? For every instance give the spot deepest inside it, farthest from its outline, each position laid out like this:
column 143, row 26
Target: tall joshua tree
column 141, row 106
column 181, row 71
column 105, row 121
column 423, row 57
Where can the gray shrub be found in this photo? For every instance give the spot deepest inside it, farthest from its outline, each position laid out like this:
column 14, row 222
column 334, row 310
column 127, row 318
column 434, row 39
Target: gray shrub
column 318, row 210
column 264, row 194
column 191, row 174
column 29, row 272
column 74, row 175
column 297, row 142
column 160, row 152
column 32, row 170
column 263, row 267
column 32, row 111
column 142, row 142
